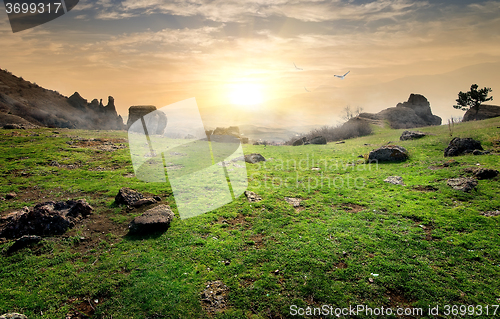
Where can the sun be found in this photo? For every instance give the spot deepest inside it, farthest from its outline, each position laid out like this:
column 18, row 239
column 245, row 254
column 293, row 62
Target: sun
column 245, row 94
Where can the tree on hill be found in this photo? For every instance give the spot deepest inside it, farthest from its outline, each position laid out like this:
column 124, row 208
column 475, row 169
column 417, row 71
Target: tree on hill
column 472, row 99
column 349, row 114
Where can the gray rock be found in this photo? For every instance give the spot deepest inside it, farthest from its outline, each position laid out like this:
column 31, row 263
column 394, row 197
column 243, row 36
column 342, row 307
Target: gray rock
column 254, row 158
column 252, row 197
column 295, row 202
column 144, row 201
column 13, row 315
column 411, row 135
column 156, row 121
column 460, row 146
column 485, row 112
column 320, row 140
column 153, row 220
column 46, row 219
column 396, row 180
column 462, row 184
column 24, row 241
column 127, row 196
column 300, row 141
column 485, row 173
column 389, row 153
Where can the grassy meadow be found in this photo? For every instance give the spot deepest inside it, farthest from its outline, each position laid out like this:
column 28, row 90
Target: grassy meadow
column 426, row 243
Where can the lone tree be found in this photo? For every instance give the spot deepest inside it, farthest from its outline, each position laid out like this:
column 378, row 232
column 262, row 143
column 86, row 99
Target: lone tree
column 472, row 100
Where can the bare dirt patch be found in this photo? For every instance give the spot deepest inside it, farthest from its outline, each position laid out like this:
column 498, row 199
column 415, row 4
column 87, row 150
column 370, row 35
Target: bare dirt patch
column 102, row 144
column 352, row 208
column 214, row 297
column 426, row 188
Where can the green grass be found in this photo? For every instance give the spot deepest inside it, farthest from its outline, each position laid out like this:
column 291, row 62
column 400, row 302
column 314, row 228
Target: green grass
column 429, row 248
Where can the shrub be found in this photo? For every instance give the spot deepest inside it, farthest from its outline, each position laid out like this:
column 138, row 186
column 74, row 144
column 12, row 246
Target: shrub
column 350, row 129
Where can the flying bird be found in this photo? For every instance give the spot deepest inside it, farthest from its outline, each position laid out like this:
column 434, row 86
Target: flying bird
column 296, row 67
column 306, row 89
column 341, row 76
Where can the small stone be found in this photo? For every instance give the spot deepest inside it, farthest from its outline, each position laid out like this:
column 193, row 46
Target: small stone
column 153, row 220
column 462, row 184
column 252, row 197
column 295, row 202
column 10, row 195
column 144, row 201
column 254, row 158
column 396, row 180
column 13, row 315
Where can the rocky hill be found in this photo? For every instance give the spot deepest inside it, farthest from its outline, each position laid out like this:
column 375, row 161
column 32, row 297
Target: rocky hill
column 416, row 112
column 485, row 112
column 27, row 104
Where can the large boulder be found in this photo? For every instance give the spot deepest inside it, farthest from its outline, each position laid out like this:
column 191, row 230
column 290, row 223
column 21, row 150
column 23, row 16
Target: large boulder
column 389, row 153
column 416, row 112
column 317, row 140
column 411, row 135
column 156, row 122
column 46, row 219
column 485, row 112
column 254, row 158
column 460, row 146
column 153, row 220
column 300, row 141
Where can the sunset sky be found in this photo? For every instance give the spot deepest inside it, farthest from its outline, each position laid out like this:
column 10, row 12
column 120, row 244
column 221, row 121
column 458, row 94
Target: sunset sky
column 237, row 57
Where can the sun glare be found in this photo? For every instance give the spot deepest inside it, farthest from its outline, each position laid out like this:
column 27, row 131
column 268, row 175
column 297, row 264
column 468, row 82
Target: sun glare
column 245, row 94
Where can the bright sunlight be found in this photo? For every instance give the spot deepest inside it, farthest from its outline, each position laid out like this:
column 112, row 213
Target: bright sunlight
column 245, row 94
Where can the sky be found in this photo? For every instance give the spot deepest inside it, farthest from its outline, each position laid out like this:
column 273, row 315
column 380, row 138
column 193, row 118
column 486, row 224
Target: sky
column 238, row 58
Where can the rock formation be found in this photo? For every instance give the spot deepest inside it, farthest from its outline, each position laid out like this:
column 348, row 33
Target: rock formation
column 156, row 122
column 389, row 153
column 485, row 112
column 416, row 112
column 27, row 104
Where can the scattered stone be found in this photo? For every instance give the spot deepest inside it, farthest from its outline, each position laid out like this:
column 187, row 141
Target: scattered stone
column 411, row 135
column 319, row 140
column 46, row 219
column 10, row 195
column 295, row 202
column 252, row 197
column 491, row 213
column 127, row 196
column 478, row 152
column 462, row 184
column 485, row 173
column 341, row 142
column 157, row 198
column 153, row 220
column 254, row 158
column 54, row 163
column 460, row 146
column 13, row 315
column 389, row 153
column 213, row 298
column 144, row 201
column 24, row 241
column 396, row 180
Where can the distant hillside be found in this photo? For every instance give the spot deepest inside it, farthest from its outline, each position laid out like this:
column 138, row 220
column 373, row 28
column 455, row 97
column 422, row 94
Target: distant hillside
column 27, row 104
column 256, row 133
